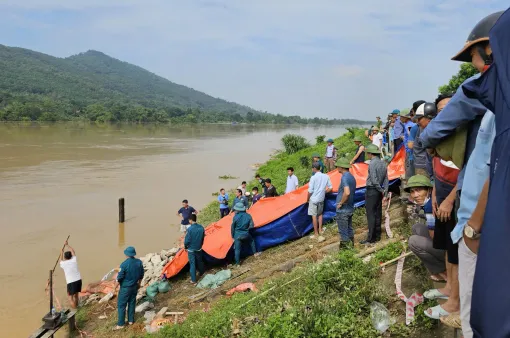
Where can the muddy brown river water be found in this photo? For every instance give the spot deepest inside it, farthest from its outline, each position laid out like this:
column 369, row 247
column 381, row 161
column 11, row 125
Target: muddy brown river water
column 66, row 179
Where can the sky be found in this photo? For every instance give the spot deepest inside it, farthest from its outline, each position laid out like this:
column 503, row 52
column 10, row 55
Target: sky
column 324, row 58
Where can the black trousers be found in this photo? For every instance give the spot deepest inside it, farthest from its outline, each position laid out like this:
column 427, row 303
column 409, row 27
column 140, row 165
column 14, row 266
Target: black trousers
column 396, row 144
column 373, row 207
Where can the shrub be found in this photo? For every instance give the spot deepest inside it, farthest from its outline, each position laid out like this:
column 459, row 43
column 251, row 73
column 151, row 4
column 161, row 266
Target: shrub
column 319, row 139
column 294, row 143
column 305, row 161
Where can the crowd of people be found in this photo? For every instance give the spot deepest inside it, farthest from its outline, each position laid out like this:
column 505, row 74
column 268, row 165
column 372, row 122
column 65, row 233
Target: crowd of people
column 456, row 179
column 454, row 166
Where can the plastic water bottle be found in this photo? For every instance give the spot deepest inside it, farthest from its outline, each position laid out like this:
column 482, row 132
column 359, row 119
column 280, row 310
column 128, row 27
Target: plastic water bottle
column 53, row 312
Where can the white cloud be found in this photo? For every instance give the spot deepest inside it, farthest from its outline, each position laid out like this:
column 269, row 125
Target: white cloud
column 271, row 55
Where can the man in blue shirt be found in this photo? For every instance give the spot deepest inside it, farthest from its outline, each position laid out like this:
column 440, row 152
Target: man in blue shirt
column 223, row 201
column 185, row 212
column 345, row 203
column 128, row 278
column 240, row 198
column 408, row 124
column 193, row 243
column 398, row 131
column 490, row 298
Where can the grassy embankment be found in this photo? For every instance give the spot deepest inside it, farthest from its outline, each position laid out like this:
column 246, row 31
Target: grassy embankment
column 328, row 298
column 276, row 167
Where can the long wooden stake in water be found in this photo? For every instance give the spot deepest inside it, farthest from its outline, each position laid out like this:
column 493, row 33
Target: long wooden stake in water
column 121, row 210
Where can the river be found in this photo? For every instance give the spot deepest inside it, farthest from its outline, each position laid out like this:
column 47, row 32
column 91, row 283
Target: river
column 66, row 179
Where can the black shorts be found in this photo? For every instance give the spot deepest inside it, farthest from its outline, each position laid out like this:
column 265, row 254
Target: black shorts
column 443, row 241
column 74, row 288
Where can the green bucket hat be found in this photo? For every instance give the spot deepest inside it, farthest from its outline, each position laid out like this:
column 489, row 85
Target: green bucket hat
column 239, row 207
column 130, row 251
column 357, row 139
column 330, row 140
column 315, row 155
column 453, row 148
column 343, row 163
column 372, row 149
column 418, row 181
column 404, row 112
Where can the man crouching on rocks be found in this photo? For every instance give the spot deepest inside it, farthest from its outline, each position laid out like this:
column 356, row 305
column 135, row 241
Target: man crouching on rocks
column 129, row 278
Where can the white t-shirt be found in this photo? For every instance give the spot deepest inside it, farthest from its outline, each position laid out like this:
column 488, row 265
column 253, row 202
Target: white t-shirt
column 71, row 271
column 377, row 139
column 292, row 183
column 329, row 150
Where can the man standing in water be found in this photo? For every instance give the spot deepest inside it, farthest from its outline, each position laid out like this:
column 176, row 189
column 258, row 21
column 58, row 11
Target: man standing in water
column 129, row 279
column 185, row 212
column 319, row 185
column 69, row 264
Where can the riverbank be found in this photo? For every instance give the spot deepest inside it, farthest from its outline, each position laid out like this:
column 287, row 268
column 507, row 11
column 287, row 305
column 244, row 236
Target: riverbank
column 306, row 287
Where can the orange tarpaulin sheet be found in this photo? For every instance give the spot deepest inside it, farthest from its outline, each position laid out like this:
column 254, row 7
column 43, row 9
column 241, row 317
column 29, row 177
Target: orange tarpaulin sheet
column 218, row 239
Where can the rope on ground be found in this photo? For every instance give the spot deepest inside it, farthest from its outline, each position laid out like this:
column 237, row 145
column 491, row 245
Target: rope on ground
column 411, row 302
column 387, row 218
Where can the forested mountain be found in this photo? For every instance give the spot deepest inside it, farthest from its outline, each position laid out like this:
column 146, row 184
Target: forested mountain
column 96, row 87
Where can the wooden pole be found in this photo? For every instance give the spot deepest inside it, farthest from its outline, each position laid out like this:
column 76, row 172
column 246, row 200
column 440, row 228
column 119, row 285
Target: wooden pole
column 58, row 258
column 121, row 210
column 51, row 290
column 396, row 259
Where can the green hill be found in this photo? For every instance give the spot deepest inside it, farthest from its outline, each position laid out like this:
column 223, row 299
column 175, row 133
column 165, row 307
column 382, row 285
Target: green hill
column 97, row 87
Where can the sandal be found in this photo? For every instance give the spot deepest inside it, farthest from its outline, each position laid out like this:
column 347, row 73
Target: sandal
column 436, row 312
column 452, row 320
column 436, row 279
column 434, row 294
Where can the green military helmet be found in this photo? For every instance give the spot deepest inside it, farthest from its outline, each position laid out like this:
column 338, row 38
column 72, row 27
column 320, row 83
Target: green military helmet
column 357, row 139
column 404, row 112
column 316, row 155
column 343, row 163
column 418, row 181
column 372, row 149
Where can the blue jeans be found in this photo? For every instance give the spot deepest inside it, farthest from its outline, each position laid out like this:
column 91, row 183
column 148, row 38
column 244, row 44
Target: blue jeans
column 238, row 243
column 126, row 298
column 195, row 261
column 344, row 221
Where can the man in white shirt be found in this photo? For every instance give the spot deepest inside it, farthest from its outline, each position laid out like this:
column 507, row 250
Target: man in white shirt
column 292, row 181
column 69, row 264
column 377, row 137
column 243, row 187
column 319, row 185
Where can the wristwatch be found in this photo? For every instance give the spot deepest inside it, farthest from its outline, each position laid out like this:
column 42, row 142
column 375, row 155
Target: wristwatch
column 471, row 233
